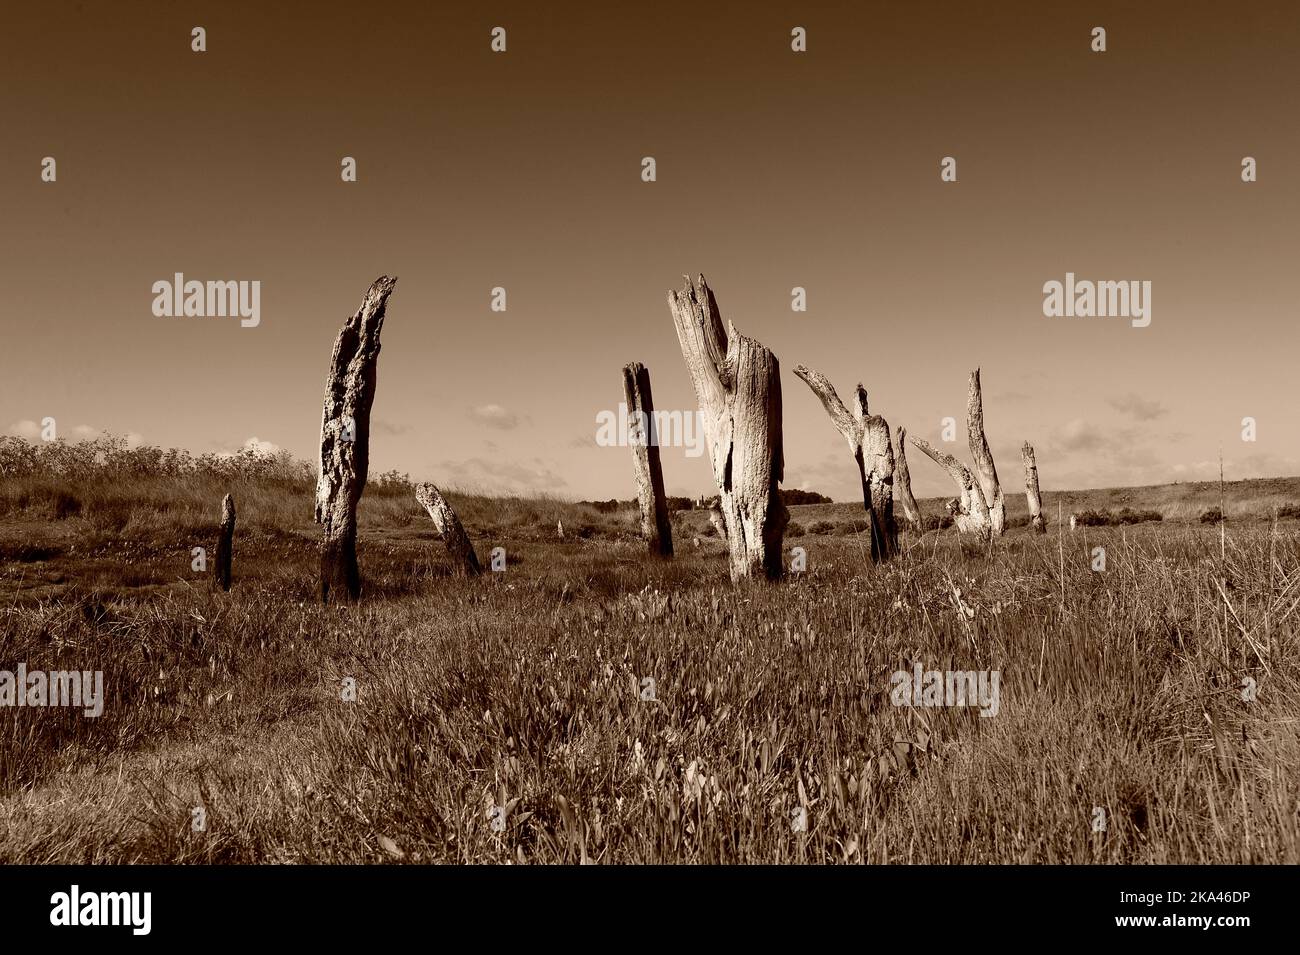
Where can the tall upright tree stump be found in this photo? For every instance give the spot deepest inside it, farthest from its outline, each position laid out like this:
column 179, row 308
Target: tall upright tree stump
column 452, row 531
column 345, row 442
column 868, row 439
column 656, row 528
column 1031, row 488
column 903, row 483
column 225, row 542
column 983, row 457
column 738, row 385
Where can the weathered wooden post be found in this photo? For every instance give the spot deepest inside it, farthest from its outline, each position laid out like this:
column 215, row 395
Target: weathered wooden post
column 738, row 385
column 1031, row 488
column 970, row 511
column 903, row 482
column 868, row 438
column 450, row 528
column 225, row 542
column 345, row 441
column 983, row 458
column 656, row 527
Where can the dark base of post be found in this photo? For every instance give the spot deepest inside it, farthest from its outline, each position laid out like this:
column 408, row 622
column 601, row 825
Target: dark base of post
column 340, row 578
column 223, row 563
column 884, row 545
column 884, row 532
column 661, row 544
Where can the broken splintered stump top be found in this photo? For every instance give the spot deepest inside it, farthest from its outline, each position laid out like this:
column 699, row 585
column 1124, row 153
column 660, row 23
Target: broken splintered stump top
column 737, row 384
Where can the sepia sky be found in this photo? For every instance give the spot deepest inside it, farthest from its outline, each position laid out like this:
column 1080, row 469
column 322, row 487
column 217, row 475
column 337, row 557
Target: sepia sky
column 774, row 169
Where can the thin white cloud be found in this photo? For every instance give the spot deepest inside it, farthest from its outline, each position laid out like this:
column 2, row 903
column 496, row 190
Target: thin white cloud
column 503, row 476
column 25, row 429
column 495, row 416
column 1137, row 407
column 257, row 446
column 31, row 430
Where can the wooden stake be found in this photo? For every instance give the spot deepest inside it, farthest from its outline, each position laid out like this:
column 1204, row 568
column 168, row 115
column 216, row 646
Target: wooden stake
column 868, row 439
column 982, row 456
column 1031, row 488
column 345, row 442
column 903, row 483
column 656, row 528
column 225, row 542
column 450, row 528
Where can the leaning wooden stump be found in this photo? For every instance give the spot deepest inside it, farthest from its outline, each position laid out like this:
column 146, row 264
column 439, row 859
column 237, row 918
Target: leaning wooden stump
column 970, row 512
column 656, row 528
column 1031, row 488
column 868, row 438
column 982, row 456
column 345, row 441
column 738, row 385
column 903, row 483
column 225, row 542
column 450, row 528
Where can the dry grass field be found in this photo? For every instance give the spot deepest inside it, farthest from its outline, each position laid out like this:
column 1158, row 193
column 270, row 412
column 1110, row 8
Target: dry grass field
column 1121, row 690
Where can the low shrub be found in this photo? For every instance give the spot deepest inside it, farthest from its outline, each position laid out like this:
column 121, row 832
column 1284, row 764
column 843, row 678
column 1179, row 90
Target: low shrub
column 1126, row 515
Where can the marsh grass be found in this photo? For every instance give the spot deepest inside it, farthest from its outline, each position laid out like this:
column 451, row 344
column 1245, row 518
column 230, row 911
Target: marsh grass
column 1120, row 691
